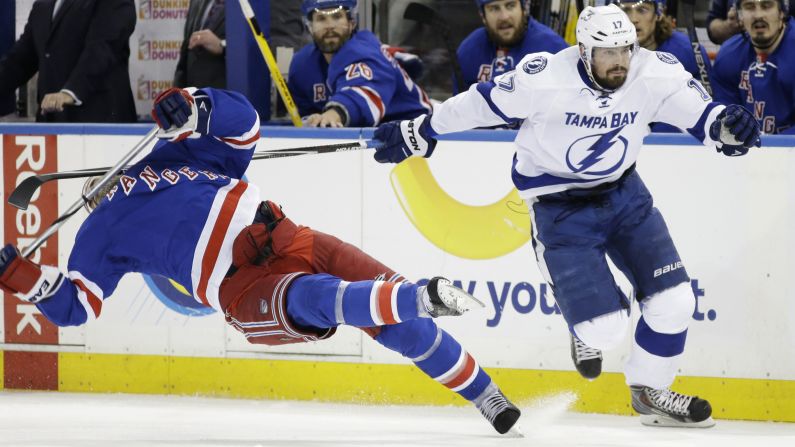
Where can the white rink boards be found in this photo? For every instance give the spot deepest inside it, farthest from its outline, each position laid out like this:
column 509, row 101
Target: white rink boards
column 731, row 219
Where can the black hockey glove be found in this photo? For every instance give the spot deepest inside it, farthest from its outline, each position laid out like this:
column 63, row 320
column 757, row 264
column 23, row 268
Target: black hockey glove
column 737, row 129
column 403, row 139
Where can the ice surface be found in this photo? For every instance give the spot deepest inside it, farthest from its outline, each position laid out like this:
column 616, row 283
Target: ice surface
column 71, row 419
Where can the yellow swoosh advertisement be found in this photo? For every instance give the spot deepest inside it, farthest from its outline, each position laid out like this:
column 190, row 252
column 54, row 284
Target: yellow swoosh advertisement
column 467, row 231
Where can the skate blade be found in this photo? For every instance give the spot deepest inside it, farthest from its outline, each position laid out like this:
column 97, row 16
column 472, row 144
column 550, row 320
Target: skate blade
column 514, row 432
column 467, row 303
column 654, row 420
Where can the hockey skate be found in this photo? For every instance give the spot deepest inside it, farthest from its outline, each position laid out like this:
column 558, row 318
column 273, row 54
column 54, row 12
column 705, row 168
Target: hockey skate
column 666, row 408
column 497, row 409
column 442, row 298
column 587, row 360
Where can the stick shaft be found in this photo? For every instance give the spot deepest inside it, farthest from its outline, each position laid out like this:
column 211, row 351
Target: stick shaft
column 21, row 196
column 270, row 61
column 688, row 9
column 99, row 185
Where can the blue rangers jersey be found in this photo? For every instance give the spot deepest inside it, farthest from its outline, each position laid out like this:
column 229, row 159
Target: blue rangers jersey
column 174, row 213
column 679, row 45
column 481, row 60
column 573, row 135
column 764, row 84
column 362, row 78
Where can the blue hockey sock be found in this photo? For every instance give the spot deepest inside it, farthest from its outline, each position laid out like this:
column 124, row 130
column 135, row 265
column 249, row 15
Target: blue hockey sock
column 438, row 355
column 324, row 301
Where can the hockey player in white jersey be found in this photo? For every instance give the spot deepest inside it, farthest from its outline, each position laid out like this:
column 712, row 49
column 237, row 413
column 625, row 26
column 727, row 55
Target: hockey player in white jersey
column 585, row 111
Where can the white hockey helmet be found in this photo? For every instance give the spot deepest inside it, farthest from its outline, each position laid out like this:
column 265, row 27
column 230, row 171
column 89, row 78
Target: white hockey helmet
column 603, row 27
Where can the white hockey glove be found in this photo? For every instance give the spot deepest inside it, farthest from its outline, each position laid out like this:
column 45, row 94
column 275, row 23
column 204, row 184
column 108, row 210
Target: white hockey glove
column 176, row 114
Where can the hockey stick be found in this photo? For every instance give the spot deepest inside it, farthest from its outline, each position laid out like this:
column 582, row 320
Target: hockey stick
column 270, row 61
column 22, row 194
column 427, row 16
column 109, row 173
column 688, row 7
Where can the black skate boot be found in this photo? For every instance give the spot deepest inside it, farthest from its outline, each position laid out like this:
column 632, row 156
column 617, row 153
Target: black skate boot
column 497, row 409
column 441, row 298
column 666, row 408
column 587, row 360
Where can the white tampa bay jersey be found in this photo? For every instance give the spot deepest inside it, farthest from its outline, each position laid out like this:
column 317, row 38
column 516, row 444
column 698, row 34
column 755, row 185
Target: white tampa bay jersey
column 574, row 135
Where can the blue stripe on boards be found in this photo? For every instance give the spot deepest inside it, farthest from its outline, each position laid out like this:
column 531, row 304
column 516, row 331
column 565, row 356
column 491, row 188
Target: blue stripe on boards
column 667, row 139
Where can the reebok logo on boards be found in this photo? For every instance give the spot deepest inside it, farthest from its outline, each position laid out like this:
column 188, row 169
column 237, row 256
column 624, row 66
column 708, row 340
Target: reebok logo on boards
column 668, row 268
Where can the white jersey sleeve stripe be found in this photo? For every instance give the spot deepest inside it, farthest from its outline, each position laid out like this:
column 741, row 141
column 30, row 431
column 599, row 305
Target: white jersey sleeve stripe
column 373, row 101
column 88, row 293
column 232, row 210
column 246, row 141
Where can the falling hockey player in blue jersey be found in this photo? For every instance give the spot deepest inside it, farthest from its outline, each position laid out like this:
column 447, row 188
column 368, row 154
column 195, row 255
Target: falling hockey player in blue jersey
column 507, row 35
column 346, row 78
column 586, row 110
column 757, row 67
column 183, row 212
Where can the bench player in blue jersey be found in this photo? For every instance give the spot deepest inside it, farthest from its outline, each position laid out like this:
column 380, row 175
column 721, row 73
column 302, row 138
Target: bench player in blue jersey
column 757, row 67
column 585, row 111
column 723, row 21
column 183, row 212
column 656, row 33
column 507, row 35
column 346, row 78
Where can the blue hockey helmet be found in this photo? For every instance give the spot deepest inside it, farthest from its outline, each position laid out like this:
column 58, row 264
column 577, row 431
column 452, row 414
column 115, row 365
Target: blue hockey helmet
column 481, row 3
column 309, row 6
column 660, row 5
column 783, row 4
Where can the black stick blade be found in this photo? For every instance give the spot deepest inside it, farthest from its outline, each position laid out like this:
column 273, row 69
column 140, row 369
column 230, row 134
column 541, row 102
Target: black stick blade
column 21, row 195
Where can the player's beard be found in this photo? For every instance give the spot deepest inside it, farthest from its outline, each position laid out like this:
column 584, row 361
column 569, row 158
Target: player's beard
column 518, row 35
column 333, row 45
column 758, row 37
column 612, row 82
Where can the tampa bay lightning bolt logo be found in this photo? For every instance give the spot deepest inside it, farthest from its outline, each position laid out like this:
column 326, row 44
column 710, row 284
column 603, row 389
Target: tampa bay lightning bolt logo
column 535, row 65
column 668, row 58
column 600, row 154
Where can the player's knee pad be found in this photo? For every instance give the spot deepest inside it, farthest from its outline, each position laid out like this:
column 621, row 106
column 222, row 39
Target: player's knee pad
column 670, row 311
column 409, row 338
column 605, row 331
